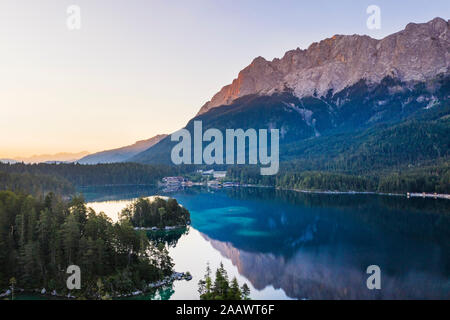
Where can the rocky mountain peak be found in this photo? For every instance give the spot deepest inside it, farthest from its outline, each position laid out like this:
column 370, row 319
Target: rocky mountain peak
column 417, row 53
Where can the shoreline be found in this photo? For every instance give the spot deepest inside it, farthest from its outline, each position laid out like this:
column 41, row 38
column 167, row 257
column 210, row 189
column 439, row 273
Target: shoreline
column 166, row 228
column 176, row 276
column 406, row 195
column 117, row 185
column 428, row 195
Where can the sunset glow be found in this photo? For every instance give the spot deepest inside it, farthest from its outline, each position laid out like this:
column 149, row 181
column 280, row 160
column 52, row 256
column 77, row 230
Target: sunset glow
column 145, row 68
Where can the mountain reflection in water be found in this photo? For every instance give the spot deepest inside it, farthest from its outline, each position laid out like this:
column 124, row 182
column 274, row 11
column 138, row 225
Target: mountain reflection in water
column 318, row 246
column 318, row 275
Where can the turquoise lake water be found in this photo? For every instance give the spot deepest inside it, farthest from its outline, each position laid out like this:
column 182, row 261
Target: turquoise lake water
column 292, row 245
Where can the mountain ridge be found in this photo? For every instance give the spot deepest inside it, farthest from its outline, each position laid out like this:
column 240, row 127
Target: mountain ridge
column 346, row 130
column 315, row 120
column 57, row 157
column 121, row 154
column 417, row 53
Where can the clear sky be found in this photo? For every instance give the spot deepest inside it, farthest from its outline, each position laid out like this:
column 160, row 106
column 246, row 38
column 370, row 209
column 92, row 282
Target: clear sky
column 138, row 68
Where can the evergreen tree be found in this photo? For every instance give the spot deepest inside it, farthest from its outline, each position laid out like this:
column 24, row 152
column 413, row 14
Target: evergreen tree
column 221, row 289
column 245, row 292
column 235, row 292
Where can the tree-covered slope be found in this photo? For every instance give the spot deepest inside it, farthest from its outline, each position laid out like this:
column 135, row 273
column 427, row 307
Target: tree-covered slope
column 389, row 124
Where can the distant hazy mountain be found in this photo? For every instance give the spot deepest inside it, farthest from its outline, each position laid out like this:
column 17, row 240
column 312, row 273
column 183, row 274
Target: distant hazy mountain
column 121, row 154
column 50, row 158
column 11, row 161
column 344, row 102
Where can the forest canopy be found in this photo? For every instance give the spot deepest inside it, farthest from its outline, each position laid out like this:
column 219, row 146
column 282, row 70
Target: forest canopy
column 39, row 239
column 100, row 174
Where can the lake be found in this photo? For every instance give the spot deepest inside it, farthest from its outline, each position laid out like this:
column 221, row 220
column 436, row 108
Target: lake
column 293, row 245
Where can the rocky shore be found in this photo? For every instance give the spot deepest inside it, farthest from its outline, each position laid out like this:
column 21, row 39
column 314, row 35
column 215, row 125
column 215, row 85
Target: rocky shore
column 160, row 229
column 176, row 276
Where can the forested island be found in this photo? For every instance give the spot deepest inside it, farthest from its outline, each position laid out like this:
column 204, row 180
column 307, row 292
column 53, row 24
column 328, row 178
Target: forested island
column 156, row 213
column 40, row 238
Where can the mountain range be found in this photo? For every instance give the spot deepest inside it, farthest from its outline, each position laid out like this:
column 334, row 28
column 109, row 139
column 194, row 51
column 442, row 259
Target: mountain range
column 416, row 54
column 121, row 154
column 58, row 157
column 345, row 103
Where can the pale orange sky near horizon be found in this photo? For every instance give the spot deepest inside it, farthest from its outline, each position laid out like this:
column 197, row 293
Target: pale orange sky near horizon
column 145, row 67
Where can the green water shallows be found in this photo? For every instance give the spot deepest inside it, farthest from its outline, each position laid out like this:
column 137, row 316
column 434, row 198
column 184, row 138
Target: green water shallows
column 291, row 245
